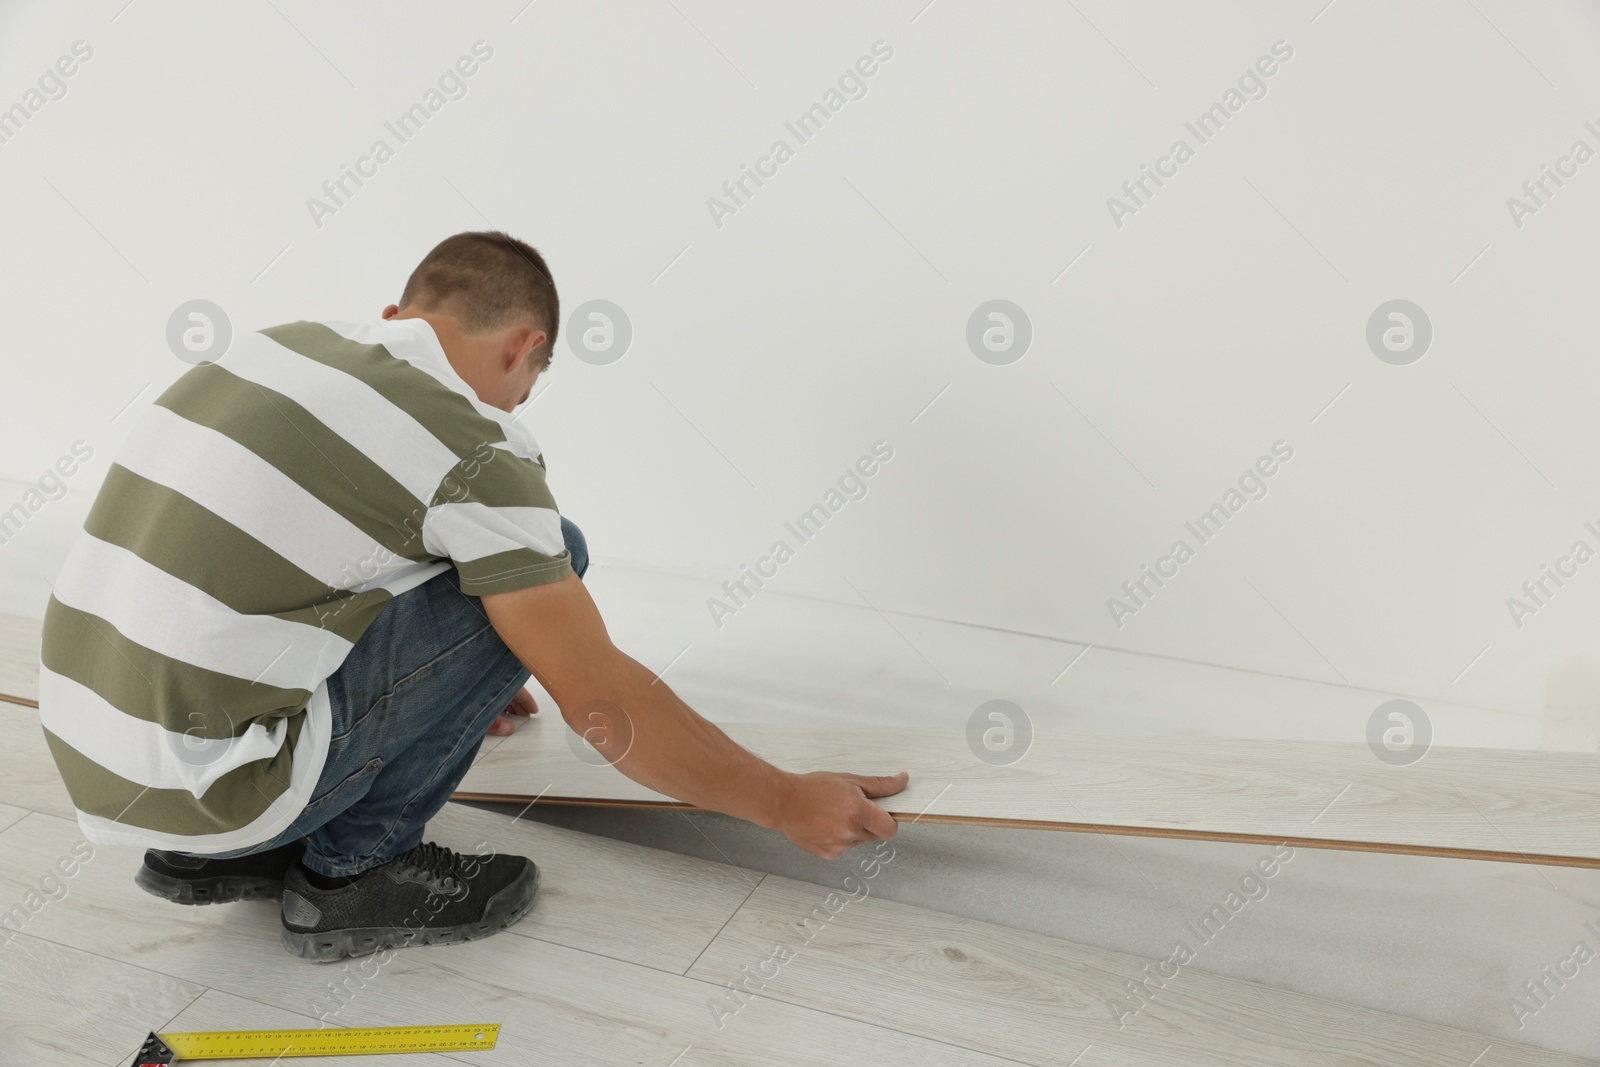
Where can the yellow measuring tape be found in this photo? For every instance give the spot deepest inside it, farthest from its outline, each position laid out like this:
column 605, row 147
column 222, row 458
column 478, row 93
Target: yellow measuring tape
column 244, row 1044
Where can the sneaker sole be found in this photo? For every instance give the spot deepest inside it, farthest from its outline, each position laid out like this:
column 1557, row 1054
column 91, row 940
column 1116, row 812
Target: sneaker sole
column 503, row 909
column 220, row 890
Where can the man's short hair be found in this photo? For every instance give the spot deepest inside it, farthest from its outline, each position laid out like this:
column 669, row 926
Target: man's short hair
column 486, row 280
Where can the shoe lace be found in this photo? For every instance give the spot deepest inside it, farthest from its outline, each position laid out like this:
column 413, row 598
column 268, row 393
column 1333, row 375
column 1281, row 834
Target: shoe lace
column 442, row 863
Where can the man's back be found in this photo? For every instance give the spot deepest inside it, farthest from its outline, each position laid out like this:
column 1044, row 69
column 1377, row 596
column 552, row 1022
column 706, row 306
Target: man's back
column 258, row 518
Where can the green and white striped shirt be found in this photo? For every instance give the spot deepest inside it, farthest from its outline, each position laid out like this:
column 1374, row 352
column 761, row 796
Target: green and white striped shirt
column 259, row 516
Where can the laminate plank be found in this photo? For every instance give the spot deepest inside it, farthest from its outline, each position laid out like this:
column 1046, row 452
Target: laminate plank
column 844, row 664
column 19, row 659
column 1492, row 804
column 28, row 775
column 62, row 1007
column 1042, row 1000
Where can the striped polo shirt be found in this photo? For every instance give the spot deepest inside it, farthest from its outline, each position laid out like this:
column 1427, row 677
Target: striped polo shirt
column 257, row 519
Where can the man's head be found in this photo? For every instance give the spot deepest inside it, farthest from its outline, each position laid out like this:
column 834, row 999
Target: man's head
column 490, row 299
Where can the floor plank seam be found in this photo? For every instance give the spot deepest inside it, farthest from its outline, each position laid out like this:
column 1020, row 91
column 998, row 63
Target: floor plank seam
column 25, row 818
column 731, row 916
column 167, row 1026
column 525, row 935
column 43, row 815
column 102, row 956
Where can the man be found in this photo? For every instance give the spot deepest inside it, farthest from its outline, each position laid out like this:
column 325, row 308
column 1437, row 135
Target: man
column 320, row 569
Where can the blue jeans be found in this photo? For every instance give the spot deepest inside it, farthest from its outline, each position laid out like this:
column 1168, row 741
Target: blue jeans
column 411, row 705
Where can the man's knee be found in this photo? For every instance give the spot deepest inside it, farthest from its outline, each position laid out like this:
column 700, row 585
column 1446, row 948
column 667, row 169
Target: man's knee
column 577, row 546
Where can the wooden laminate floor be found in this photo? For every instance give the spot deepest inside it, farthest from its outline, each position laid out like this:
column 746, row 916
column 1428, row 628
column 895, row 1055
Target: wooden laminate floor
column 633, row 956
column 1491, row 804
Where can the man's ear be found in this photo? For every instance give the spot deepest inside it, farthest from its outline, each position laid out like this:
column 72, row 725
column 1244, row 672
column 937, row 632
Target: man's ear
column 390, row 311
column 529, row 342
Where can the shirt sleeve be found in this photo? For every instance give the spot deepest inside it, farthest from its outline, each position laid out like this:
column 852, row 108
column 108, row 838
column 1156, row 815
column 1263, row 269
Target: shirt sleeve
column 494, row 518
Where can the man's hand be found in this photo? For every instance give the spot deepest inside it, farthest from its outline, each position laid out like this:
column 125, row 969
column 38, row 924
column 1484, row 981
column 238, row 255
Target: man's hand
column 521, row 705
column 827, row 813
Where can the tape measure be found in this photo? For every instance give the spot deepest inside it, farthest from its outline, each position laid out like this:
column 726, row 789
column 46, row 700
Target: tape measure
column 161, row 1049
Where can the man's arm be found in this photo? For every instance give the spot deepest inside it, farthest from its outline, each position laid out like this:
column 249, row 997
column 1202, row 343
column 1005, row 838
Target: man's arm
column 640, row 726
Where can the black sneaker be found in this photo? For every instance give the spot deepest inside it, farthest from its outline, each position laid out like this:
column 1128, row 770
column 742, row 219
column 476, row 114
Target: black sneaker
column 428, row 896
column 186, row 879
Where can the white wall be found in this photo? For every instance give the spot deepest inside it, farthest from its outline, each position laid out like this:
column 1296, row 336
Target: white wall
column 1222, row 317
